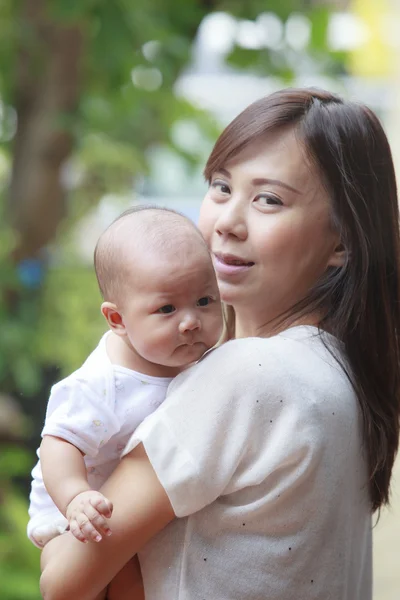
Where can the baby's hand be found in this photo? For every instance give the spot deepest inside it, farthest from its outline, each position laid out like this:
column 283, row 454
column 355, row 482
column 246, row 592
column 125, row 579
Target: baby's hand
column 87, row 514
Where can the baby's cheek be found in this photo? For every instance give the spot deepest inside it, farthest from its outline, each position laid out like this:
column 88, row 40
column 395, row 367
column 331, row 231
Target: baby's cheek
column 218, row 323
column 214, row 331
column 154, row 346
column 147, row 350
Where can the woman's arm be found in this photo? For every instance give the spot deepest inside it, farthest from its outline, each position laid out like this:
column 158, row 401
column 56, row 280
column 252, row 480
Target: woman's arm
column 141, row 509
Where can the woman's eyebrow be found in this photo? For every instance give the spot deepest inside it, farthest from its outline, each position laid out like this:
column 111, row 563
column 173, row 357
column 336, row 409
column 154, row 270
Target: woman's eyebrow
column 263, row 181
column 224, row 172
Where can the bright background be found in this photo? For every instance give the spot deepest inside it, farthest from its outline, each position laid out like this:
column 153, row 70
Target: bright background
column 108, row 103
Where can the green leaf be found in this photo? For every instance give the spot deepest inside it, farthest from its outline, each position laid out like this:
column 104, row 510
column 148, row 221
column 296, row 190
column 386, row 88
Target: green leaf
column 14, row 462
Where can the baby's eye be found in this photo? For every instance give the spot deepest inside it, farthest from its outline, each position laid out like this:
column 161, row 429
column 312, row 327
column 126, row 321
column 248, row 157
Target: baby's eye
column 221, row 186
column 205, row 301
column 167, row 309
column 268, row 200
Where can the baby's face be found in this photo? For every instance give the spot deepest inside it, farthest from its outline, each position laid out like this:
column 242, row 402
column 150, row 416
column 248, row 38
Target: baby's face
column 174, row 313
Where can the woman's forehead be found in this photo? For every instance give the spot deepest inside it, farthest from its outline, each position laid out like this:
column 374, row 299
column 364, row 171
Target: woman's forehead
column 270, row 145
column 276, row 154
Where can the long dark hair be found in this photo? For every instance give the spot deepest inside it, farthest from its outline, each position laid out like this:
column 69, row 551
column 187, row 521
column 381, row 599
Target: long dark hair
column 360, row 302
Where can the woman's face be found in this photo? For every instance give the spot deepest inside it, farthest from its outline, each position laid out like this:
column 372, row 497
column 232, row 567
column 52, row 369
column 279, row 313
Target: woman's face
column 266, row 218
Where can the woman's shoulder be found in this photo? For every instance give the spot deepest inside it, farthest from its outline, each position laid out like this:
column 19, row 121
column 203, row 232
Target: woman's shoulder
column 299, row 355
column 293, row 375
column 241, row 355
column 249, row 346
column 289, row 345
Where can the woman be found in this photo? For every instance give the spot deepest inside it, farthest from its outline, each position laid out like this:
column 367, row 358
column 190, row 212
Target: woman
column 277, row 447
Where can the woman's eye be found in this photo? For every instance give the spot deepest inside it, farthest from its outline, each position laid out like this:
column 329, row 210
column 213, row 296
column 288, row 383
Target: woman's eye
column 220, row 186
column 268, row 200
column 167, row 309
column 205, row 301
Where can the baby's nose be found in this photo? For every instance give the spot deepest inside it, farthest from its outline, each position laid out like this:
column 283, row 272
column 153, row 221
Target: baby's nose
column 190, row 322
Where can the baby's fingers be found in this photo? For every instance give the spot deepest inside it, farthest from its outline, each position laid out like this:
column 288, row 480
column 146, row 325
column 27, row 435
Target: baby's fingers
column 98, row 522
column 76, row 531
column 87, row 528
column 102, row 505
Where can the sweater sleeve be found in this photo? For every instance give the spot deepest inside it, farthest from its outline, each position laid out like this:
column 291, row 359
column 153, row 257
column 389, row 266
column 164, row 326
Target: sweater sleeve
column 228, row 423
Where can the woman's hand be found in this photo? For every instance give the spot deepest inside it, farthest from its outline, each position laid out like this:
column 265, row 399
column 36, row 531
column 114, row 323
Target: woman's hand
column 141, row 509
column 87, row 514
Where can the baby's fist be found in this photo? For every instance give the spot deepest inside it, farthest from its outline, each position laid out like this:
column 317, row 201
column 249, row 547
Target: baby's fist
column 87, row 514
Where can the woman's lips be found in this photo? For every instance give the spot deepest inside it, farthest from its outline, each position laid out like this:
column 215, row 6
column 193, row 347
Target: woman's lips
column 225, row 264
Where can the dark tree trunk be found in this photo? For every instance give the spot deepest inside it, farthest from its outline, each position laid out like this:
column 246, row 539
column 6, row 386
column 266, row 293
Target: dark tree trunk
column 47, row 91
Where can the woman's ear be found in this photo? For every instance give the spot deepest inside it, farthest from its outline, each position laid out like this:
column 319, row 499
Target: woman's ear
column 113, row 317
column 338, row 257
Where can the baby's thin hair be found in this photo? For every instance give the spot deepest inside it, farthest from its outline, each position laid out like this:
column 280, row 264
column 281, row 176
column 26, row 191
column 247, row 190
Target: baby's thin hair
column 163, row 232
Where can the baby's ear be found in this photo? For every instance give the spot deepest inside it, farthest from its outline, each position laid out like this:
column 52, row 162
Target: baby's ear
column 113, row 317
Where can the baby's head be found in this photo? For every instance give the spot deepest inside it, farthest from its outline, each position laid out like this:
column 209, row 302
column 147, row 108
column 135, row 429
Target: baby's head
column 159, row 288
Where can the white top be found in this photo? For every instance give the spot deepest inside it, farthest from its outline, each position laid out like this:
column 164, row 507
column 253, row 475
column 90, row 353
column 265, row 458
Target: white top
column 96, row 409
column 259, row 448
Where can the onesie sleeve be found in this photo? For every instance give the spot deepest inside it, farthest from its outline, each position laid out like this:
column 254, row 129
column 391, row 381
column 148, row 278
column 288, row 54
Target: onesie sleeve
column 81, row 414
column 227, row 423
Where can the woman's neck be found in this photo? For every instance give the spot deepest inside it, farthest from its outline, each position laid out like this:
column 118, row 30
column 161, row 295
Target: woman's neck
column 249, row 327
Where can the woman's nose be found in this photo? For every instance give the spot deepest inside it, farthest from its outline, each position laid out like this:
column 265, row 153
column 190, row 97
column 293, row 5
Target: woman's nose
column 231, row 221
column 189, row 322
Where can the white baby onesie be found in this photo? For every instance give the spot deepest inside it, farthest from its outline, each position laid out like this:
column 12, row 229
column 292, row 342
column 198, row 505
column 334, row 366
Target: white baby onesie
column 96, row 409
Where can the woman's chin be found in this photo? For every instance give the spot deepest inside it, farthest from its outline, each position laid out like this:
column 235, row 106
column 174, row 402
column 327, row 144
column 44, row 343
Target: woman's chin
column 229, row 294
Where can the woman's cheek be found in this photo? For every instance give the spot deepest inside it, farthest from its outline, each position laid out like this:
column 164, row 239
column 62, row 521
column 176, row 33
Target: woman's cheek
column 206, row 220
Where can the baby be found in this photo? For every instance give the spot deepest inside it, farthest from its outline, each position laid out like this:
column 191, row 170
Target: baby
column 161, row 303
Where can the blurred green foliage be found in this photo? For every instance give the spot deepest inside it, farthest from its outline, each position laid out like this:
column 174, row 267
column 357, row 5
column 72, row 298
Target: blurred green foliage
column 54, row 321
column 19, row 560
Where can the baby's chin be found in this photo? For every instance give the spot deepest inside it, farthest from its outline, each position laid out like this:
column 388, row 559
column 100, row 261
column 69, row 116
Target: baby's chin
column 186, row 354
column 182, row 357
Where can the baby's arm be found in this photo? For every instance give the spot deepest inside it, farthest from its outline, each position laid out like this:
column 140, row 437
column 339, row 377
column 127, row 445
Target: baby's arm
column 65, row 478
